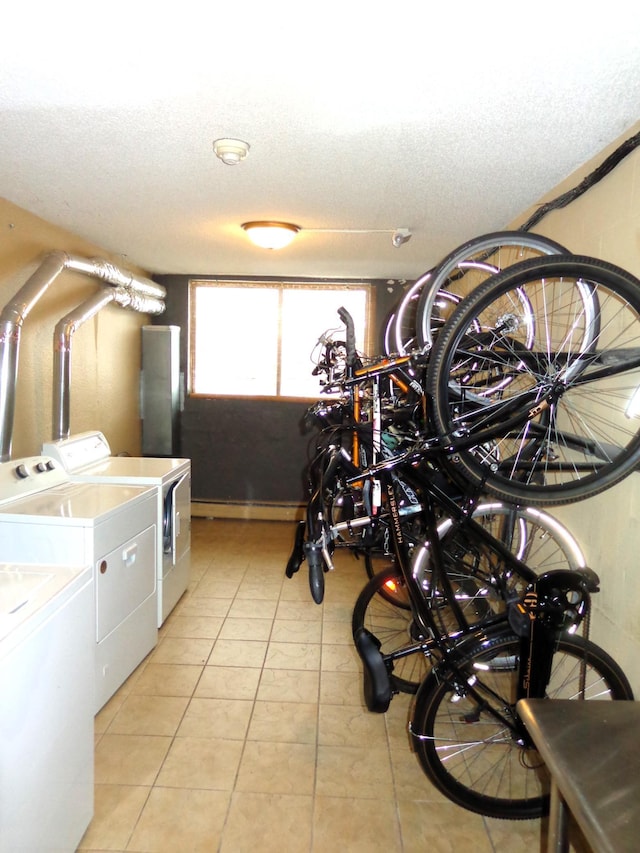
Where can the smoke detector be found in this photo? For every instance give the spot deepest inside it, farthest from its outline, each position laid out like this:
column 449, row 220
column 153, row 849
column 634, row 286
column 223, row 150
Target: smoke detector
column 230, row 151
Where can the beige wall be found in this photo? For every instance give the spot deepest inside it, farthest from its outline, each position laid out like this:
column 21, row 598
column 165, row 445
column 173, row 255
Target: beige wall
column 105, row 357
column 605, row 223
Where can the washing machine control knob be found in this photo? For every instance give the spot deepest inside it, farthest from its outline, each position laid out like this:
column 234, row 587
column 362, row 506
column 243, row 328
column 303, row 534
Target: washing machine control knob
column 21, row 471
column 46, row 465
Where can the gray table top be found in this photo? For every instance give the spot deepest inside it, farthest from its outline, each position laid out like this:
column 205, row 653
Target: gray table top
column 592, row 750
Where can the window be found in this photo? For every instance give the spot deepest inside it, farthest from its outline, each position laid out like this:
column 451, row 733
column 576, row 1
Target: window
column 257, row 338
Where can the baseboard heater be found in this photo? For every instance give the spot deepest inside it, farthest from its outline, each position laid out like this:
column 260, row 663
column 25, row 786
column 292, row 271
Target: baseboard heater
column 248, row 511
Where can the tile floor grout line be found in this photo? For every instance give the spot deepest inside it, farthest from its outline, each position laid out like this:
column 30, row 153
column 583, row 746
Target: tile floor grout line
column 232, row 789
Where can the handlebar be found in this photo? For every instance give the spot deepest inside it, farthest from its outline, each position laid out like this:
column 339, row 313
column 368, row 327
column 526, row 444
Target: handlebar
column 347, row 319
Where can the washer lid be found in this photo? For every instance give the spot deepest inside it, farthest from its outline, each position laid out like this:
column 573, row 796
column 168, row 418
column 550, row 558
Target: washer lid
column 134, row 469
column 79, row 504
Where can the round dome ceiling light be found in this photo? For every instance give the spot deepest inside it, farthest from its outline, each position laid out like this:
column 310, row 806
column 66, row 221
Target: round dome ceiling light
column 230, row 151
column 270, row 235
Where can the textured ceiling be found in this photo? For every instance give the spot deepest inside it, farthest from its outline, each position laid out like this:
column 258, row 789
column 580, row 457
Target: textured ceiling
column 448, row 120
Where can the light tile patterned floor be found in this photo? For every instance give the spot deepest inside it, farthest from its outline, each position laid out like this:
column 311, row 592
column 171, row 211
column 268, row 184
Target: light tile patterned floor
column 245, row 730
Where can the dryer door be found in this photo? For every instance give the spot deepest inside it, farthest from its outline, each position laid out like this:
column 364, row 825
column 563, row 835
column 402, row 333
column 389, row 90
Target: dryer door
column 176, row 522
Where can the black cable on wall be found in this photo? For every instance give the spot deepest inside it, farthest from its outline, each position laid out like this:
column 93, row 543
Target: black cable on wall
column 603, row 169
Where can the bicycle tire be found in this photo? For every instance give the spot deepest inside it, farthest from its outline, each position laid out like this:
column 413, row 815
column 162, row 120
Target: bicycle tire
column 471, row 756
column 582, row 441
column 476, row 259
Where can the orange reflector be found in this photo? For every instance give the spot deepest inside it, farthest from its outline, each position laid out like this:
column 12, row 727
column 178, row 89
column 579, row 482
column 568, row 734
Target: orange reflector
column 391, row 586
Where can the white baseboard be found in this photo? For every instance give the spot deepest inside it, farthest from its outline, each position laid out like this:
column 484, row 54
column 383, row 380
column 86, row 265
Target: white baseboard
column 252, row 512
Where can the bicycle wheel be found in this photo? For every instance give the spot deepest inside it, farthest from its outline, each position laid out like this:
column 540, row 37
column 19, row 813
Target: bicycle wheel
column 467, row 267
column 564, row 424
column 464, row 723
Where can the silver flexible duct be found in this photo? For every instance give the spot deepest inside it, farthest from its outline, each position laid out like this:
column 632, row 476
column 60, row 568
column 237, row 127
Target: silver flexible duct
column 15, row 312
column 62, row 339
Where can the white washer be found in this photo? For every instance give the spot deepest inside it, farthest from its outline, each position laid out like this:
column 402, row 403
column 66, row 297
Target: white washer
column 86, row 457
column 46, row 519
column 47, row 629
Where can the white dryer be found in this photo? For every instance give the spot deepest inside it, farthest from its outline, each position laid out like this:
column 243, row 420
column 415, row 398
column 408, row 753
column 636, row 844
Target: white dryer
column 47, row 519
column 47, row 629
column 86, row 457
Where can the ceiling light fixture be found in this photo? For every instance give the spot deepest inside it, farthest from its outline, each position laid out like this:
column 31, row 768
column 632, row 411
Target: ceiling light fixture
column 230, row 151
column 270, row 235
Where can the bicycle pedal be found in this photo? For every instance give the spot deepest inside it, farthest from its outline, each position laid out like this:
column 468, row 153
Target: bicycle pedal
column 519, row 617
column 471, row 717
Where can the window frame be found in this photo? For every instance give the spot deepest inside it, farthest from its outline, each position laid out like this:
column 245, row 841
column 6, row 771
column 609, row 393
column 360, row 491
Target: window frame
column 338, row 285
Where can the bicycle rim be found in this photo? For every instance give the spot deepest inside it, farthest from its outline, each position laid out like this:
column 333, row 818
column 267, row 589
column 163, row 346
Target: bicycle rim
column 400, row 335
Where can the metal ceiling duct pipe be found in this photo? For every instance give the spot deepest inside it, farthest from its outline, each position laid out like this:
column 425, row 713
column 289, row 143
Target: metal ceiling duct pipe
column 15, row 312
column 62, row 338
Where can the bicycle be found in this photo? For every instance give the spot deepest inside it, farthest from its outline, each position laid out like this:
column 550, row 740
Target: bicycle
column 351, row 436
column 563, row 426
column 480, row 667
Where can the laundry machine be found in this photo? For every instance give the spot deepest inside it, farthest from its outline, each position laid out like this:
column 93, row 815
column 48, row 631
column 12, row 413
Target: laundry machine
column 47, row 519
column 87, row 458
column 47, row 628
